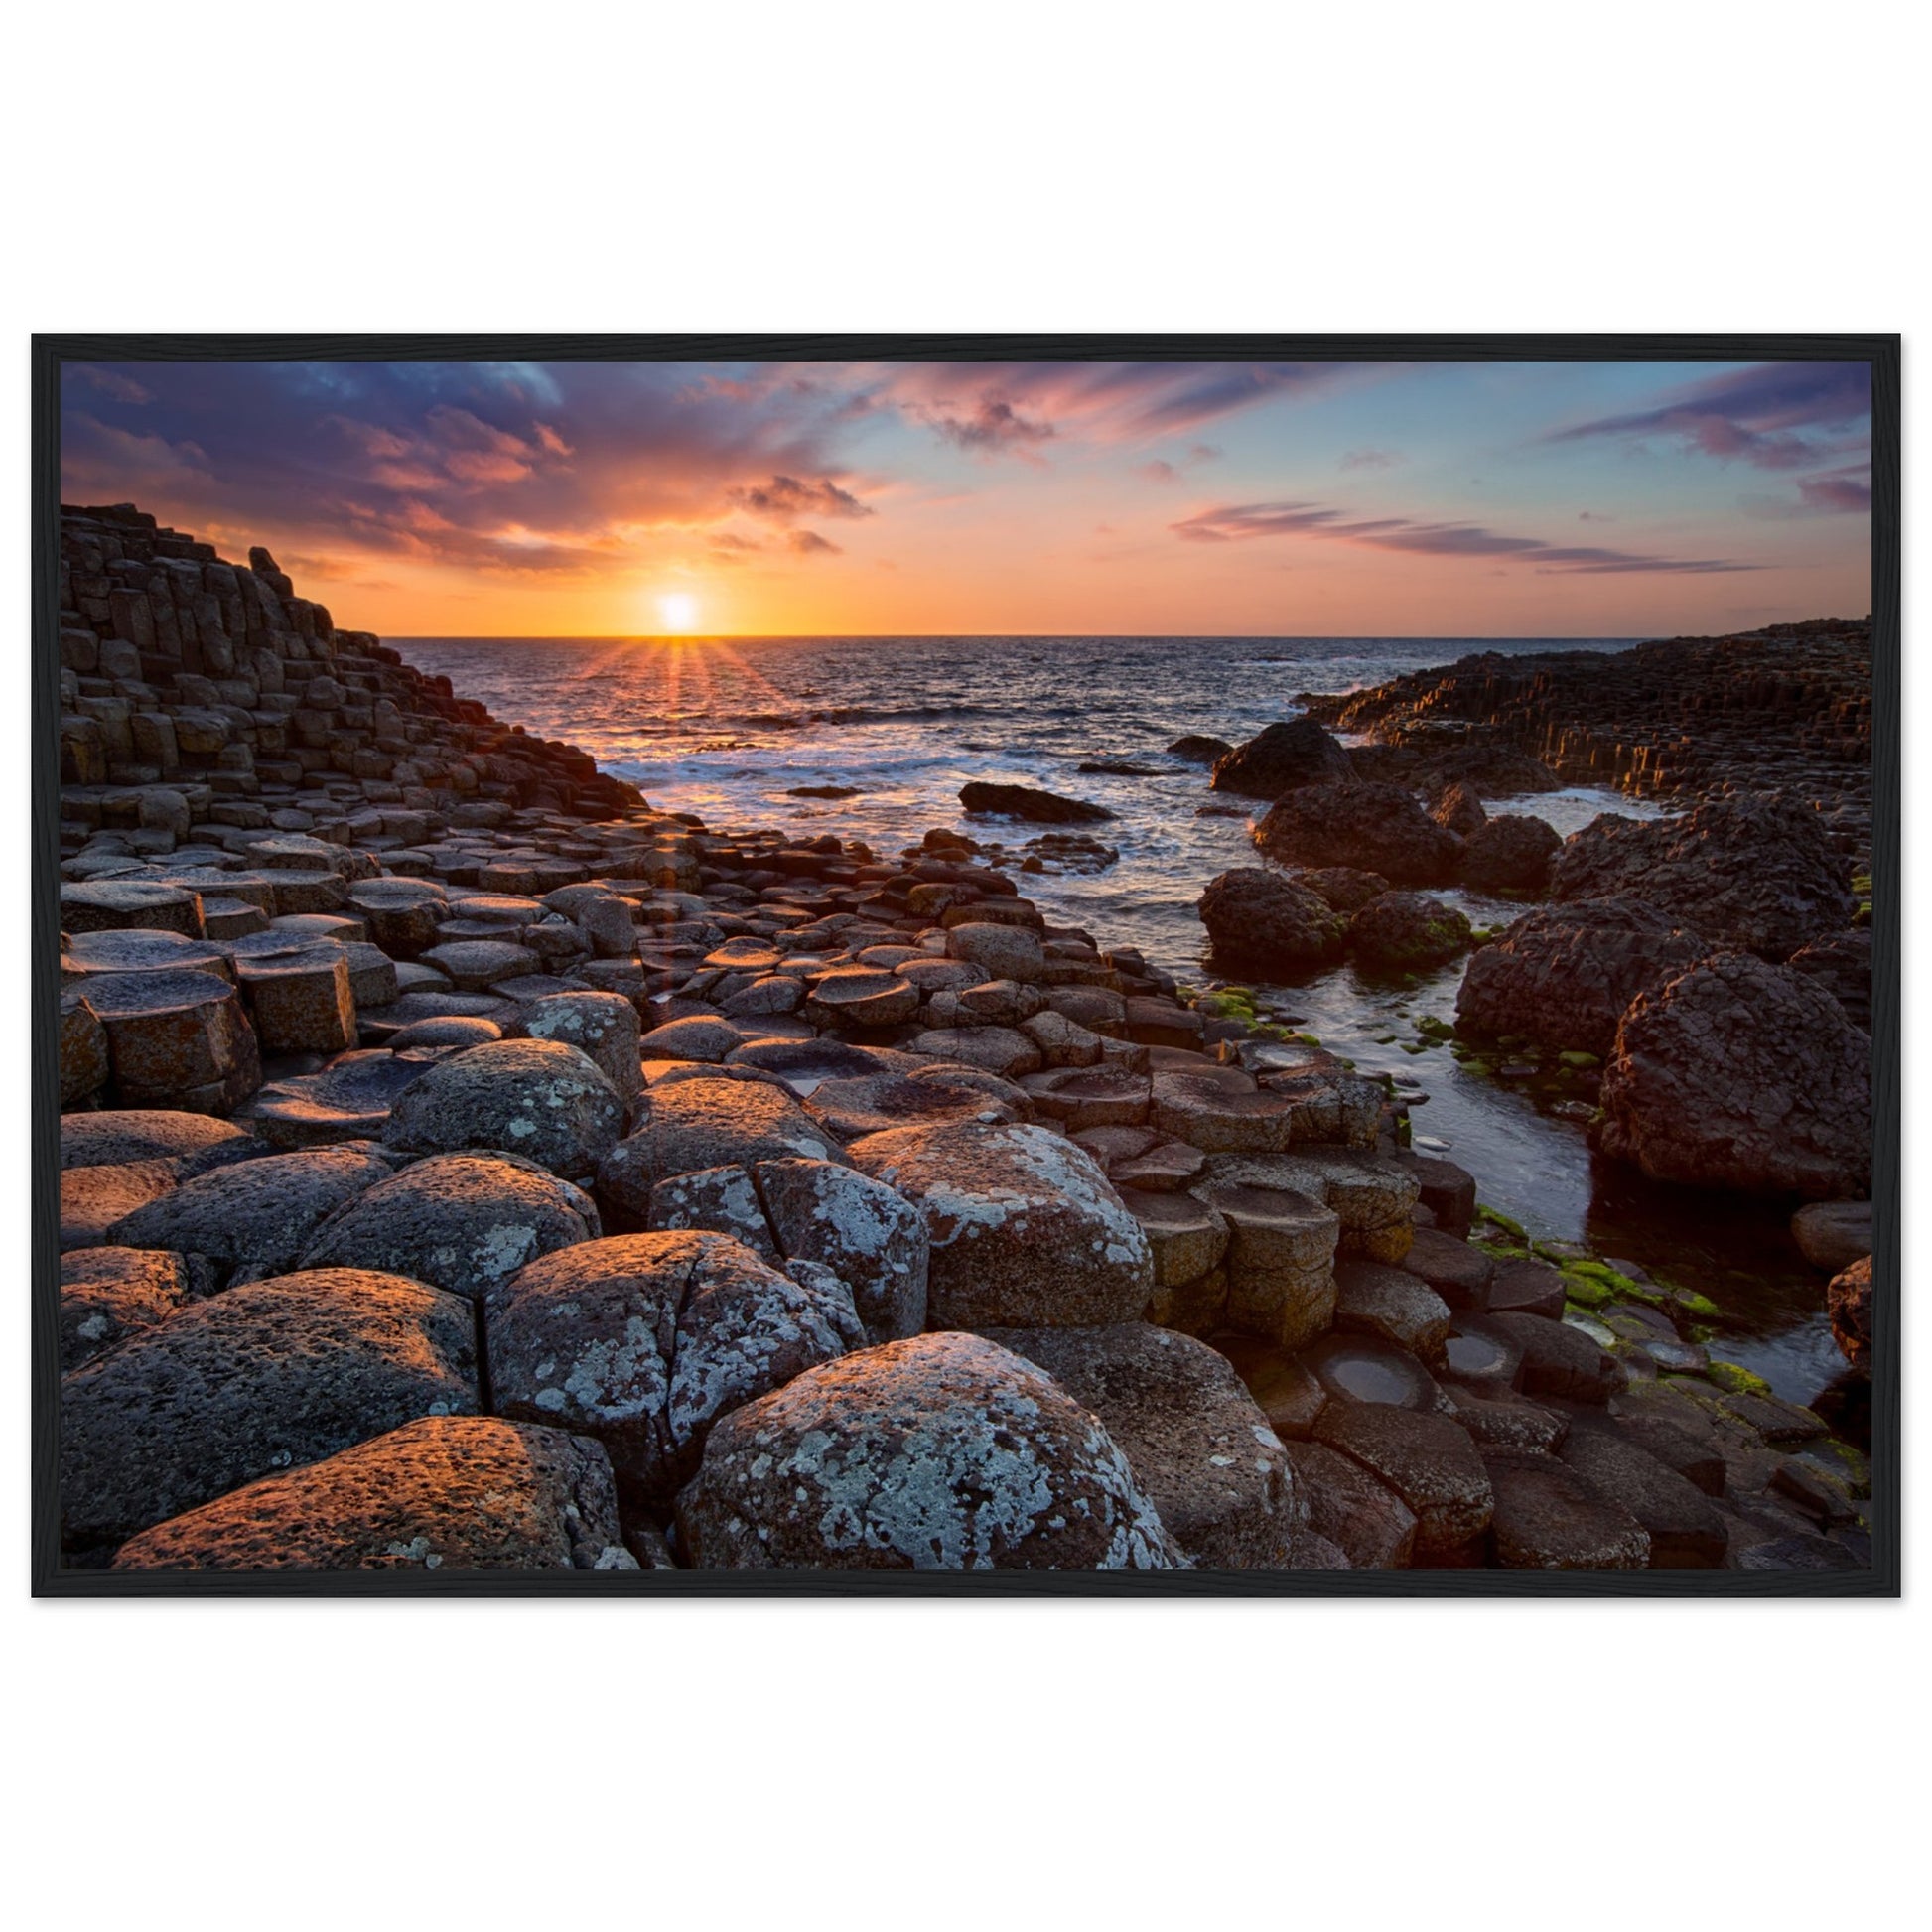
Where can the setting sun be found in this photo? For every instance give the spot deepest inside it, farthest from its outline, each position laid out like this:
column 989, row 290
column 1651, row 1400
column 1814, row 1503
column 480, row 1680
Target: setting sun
column 679, row 612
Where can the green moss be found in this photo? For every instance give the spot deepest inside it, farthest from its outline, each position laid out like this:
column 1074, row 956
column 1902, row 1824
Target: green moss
column 1305, row 1040
column 1575, row 1058
column 1861, row 884
column 1700, row 1306
column 1735, row 1380
column 1433, row 1028
column 1495, row 1218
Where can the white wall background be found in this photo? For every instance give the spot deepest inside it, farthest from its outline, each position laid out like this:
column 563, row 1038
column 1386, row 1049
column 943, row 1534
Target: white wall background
column 866, row 166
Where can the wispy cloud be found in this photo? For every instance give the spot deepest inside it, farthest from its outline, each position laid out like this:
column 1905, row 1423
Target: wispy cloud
column 1776, row 416
column 808, row 543
column 1371, row 459
column 785, row 497
column 1242, row 521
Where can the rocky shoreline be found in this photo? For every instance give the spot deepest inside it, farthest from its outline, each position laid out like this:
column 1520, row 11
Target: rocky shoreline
column 466, row 1166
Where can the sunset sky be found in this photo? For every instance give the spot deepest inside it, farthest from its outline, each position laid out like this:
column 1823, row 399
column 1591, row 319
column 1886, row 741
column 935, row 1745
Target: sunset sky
column 1275, row 499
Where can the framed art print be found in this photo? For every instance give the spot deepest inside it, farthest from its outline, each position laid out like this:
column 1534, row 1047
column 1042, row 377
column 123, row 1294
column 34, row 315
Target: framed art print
column 1158, row 965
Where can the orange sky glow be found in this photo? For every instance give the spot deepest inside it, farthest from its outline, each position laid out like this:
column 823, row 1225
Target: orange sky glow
column 566, row 499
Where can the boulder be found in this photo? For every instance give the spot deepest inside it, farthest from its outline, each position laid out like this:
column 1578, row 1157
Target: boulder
column 458, row 1221
column 600, row 1026
column 1276, row 925
column 645, row 1341
column 1341, row 887
column 538, row 1098
column 1848, row 1300
column 457, row 1492
column 714, row 1200
column 1367, row 827
column 1284, row 758
column 1201, row 1451
column 1832, row 1234
column 1220, row 1110
column 1407, row 932
column 300, row 997
column 1195, row 747
column 867, row 1233
column 1461, row 810
column 114, row 904
column 1025, row 1229
column 1841, row 963
column 1563, row 976
column 274, row 1373
column 1003, row 952
column 941, row 1451
column 697, row 1037
column 1757, row 872
column 109, row 1294
column 254, row 1218
column 1029, row 802
column 1510, row 855
column 1280, row 1260
column 706, row 1122
column 1741, row 1074
column 1684, row 1528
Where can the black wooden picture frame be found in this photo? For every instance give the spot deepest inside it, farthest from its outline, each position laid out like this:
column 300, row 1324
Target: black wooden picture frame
column 1883, row 354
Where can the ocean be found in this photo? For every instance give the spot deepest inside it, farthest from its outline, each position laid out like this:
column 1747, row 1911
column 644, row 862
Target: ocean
column 739, row 730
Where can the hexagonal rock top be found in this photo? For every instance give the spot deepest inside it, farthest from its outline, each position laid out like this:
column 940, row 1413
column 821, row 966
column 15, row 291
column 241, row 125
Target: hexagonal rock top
column 275, row 1373
column 851, row 1109
column 348, row 1100
column 463, row 1492
column 942, row 1451
column 1196, row 1442
column 464, row 1222
column 645, row 1341
column 254, row 1218
column 540, row 1098
column 707, row 1123
column 1025, row 1230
